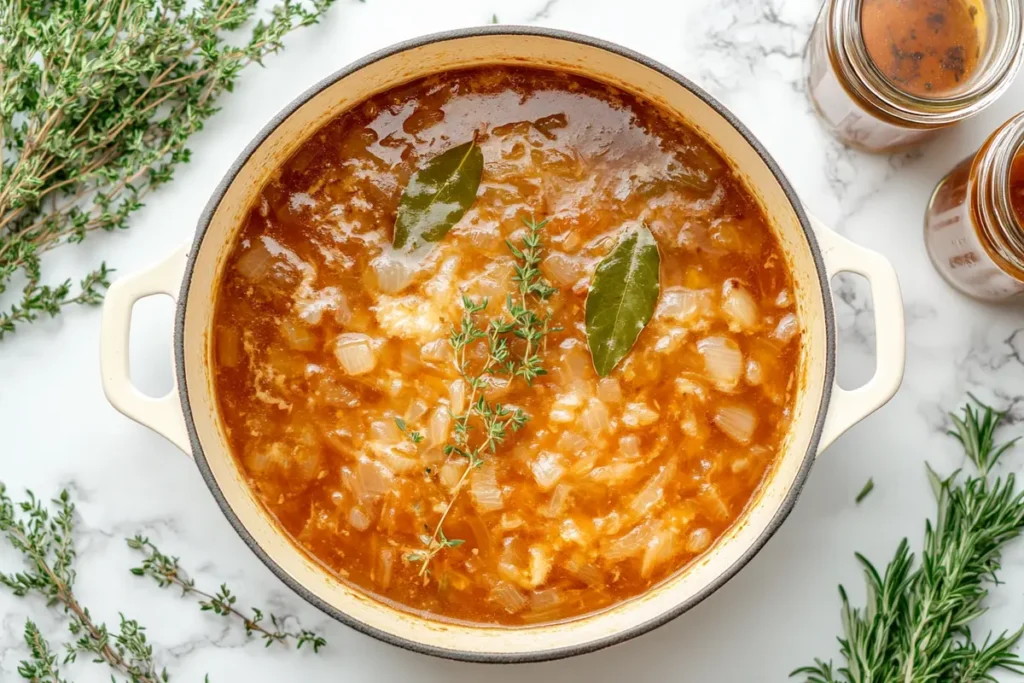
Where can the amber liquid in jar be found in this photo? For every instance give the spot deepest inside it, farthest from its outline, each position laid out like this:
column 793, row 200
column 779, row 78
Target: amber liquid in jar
column 886, row 74
column 926, row 48
column 974, row 225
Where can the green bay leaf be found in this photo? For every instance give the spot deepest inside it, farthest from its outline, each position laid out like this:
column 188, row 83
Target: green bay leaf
column 437, row 196
column 622, row 298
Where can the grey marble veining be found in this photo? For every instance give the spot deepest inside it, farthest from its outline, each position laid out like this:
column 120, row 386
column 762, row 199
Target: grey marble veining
column 777, row 614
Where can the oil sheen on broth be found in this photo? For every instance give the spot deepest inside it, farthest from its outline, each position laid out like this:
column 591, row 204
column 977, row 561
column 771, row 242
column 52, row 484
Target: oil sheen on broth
column 614, row 484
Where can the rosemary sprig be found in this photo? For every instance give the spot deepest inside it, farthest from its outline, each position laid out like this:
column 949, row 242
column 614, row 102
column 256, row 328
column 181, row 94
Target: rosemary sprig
column 166, row 571
column 45, row 541
column 97, row 102
column 916, row 626
column 521, row 321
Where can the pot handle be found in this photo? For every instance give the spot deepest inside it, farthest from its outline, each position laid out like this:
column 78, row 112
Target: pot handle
column 163, row 415
column 847, row 408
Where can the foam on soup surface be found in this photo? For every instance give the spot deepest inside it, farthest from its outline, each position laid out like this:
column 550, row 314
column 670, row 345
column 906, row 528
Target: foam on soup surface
column 327, row 344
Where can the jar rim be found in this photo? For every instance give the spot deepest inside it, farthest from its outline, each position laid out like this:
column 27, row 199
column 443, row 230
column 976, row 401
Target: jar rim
column 991, row 174
column 846, row 41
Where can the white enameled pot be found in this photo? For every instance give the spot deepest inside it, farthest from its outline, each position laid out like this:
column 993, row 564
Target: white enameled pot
column 188, row 415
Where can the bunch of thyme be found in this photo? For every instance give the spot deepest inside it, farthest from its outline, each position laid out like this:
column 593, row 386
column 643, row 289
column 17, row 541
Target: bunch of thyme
column 916, row 626
column 44, row 538
column 521, row 322
column 166, row 571
column 97, row 101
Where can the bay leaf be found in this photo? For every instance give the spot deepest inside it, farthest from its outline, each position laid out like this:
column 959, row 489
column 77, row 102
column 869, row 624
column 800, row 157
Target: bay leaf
column 437, row 196
column 622, row 298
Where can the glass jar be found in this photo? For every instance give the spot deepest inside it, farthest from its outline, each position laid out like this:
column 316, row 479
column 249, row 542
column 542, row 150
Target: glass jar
column 974, row 225
column 870, row 65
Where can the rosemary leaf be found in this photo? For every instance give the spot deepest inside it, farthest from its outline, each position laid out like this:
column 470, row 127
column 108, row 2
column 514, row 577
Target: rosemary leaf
column 97, row 102
column 916, row 625
column 869, row 486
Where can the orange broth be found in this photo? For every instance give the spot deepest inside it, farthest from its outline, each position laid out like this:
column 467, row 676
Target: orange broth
column 614, row 484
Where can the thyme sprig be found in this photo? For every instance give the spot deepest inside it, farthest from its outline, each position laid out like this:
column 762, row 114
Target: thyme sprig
column 494, row 421
column 167, row 571
column 42, row 666
column 916, row 626
column 44, row 539
column 97, row 102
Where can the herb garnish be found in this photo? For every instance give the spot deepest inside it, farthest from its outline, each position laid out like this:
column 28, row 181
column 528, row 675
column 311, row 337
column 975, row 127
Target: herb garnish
column 415, row 437
column 97, row 102
column 916, row 627
column 622, row 298
column 869, row 486
column 44, row 538
column 522, row 322
column 437, row 196
column 166, row 571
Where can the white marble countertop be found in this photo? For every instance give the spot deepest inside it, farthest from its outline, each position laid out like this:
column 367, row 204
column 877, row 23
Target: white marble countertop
column 777, row 614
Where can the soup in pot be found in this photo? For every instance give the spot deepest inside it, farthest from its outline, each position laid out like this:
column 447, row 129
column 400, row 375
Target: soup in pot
column 505, row 346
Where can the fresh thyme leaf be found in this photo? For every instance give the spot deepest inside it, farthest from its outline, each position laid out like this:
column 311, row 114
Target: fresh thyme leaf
column 622, row 298
column 42, row 666
column 97, row 102
column 415, row 437
column 916, row 625
column 868, row 488
column 521, row 322
column 437, row 196
column 165, row 570
column 494, row 18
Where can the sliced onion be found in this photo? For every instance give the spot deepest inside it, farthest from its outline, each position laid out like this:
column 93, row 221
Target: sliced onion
column 556, row 505
column 570, row 532
column 562, row 270
column 386, row 431
column 659, row 549
column 787, row 328
column 358, row 519
column 386, row 564
column 450, row 474
column 540, row 565
column 547, row 470
column 723, row 361
column 457, row 392
column 437, row 351
column 355, row 353
column 783, row 300
column 633, row 543
column 653, row 491
column 754, row 373
column 297, row 336
column 615, row 473
column 545, row 601
column 392, row 276
column 561, row 416
column 698, row 540
column 629, row 446
column 571, row 443
column 609, row 391
column 484, row 487
column 373, row 479
column 639, row 415
column 576, row 360
column 737, row 422
column 739, row 306
column 256, row 263
column 595, row 418
column 508, row 596
column 395, row 457
column 584, row 571
column 416, row 410
column 440, row 426
column 687, row 387
column 681, row 304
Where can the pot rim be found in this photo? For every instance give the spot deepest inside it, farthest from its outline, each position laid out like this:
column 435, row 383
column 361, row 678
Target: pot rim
column 673, row 611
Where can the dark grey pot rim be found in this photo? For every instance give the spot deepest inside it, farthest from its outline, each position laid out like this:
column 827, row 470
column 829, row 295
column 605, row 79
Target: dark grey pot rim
column 540, row 655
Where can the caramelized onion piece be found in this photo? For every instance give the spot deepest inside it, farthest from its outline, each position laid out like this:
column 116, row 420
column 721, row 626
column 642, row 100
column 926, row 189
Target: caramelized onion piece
column 355, row 353
column 737, row 422
column 723, row 361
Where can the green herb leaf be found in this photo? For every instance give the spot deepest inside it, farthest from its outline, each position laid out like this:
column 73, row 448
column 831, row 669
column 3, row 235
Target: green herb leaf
column 437, row 196
column 868, row 488
column 622, row 298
